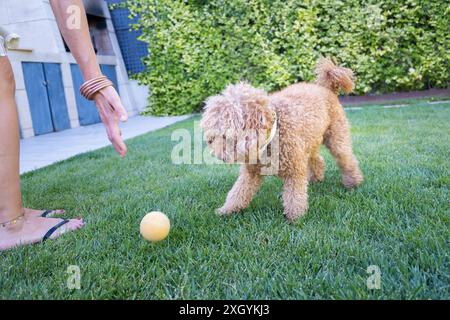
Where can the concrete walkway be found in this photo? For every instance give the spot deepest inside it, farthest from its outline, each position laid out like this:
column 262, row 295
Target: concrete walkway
column 41, row 151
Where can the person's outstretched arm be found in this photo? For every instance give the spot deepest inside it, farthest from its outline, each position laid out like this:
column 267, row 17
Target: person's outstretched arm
column 75, row 31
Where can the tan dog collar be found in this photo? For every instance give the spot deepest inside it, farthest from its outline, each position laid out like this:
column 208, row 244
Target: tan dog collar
column 273, row 131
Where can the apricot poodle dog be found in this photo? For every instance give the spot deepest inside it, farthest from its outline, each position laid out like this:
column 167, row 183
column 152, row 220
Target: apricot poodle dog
column 303, row 116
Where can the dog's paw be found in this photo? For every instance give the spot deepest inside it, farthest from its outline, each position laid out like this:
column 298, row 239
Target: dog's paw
column 314, row 178
column 293, row 218
column 353, row 180
column 293, row 214
column 223, row 211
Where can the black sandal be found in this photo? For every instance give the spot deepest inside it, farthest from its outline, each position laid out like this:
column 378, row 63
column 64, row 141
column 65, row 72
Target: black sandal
column 47, row 213
column 52, row 230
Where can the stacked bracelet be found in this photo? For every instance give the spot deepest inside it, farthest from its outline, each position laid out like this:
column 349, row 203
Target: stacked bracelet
column 92, row 86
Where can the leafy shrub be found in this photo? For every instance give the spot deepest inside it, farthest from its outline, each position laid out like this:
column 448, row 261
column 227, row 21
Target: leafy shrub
column 197, row 47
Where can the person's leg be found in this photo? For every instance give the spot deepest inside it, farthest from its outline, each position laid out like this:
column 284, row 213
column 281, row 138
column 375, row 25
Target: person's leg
column 10, row 196
column 29, row 229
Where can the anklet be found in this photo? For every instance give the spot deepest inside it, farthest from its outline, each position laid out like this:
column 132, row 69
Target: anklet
column 94, row 85
column 13, row 221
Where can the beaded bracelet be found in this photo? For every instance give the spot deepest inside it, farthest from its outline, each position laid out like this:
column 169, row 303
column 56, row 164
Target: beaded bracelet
column 94, row 85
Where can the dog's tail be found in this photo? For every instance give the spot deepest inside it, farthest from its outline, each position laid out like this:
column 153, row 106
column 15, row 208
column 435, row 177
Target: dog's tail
column 333, row 77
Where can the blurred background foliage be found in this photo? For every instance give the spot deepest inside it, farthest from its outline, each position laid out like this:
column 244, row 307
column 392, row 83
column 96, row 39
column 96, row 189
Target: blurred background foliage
column 197, row 47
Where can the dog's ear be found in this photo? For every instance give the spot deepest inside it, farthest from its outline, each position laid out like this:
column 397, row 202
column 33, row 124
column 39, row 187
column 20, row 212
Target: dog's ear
column 259, row 115
column 260, row 119
column 221, row 114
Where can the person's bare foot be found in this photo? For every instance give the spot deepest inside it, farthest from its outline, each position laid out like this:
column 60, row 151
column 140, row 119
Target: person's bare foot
column 32, row 229
column 38, row 213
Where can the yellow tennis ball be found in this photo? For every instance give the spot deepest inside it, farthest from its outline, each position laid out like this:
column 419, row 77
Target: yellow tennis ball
column 155, row 226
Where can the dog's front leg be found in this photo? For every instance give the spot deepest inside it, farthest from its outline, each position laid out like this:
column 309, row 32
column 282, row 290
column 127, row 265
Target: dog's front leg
column 243, row 190
column 295, row 196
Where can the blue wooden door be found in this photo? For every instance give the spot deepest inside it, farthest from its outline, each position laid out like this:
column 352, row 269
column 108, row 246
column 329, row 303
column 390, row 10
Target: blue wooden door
column 45, row 91
column 56, row 96
column 87, row 111
column 36, row 88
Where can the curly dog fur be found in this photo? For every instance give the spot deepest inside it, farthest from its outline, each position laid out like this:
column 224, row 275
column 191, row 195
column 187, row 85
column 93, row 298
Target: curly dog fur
column 307, row 115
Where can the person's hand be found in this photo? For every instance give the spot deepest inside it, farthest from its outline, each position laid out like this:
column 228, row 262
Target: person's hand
column 111, row 112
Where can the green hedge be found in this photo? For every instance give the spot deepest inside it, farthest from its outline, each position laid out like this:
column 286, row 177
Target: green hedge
column 197, row 47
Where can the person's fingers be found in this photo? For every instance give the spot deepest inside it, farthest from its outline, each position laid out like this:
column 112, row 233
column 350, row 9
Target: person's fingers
column 115, row 103
column 120, row 110
column 111, row 110
column 116, row 138
column 117, row 143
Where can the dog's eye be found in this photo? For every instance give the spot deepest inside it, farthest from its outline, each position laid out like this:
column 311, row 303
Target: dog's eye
column 210, row 140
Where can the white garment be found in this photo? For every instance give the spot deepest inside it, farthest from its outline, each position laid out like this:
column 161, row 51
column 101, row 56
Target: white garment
column 2, row 47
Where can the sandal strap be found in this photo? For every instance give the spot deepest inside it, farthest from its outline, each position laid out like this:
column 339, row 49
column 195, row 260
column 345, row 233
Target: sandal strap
column 52, row 230
column 46, row 213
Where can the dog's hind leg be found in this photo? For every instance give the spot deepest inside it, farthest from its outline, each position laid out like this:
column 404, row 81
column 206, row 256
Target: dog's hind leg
column 295, row 190
column 338, row 141
column 243, row 190
column 295, row 196
column 316, row 167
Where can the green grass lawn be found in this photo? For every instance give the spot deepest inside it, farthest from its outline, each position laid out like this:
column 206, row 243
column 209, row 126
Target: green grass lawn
column 397, row 220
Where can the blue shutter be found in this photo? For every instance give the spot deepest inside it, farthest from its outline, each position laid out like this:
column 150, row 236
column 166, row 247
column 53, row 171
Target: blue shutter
column 35, row 85
column 56, row 96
